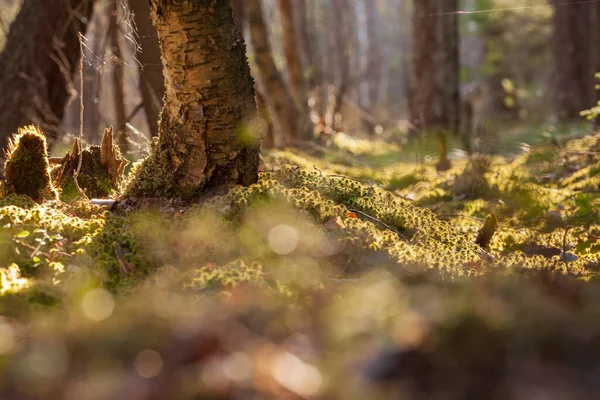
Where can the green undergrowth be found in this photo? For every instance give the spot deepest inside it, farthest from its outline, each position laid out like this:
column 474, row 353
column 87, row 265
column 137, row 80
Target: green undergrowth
column 317, row 267
column 296, row 228
column 306, row 221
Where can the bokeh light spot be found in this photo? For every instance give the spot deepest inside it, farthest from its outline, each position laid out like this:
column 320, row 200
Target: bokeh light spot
column 283, row 239
column 148, row 363
column 98, row 304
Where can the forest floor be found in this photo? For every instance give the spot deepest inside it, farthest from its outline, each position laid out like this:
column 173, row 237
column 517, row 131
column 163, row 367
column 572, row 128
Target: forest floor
column 346, row 272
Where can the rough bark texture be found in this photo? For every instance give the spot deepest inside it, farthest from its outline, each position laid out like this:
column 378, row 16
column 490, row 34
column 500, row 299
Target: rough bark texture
column 287, row 118
column 209, row 99
column 151, row 83
column 573, row 57
column 435, row 80
column 37, row 64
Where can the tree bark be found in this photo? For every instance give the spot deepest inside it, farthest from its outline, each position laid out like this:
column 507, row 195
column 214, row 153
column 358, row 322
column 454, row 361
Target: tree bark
column 573, row 58
column 151, row 82
column 203, row 142
column 374, row 61
column 303, row 38
column 435, row 80
column 342, row 37
column 291, row 48
column 118, row 79
column 37, row 64
column 288, row 119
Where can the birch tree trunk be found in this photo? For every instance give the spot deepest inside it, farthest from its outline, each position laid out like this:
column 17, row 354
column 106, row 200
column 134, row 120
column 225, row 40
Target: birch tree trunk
column 203, row 143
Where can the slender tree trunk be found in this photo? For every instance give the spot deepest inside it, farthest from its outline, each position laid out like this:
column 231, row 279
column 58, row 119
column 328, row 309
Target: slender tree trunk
column 303, row 37
column 203, row 141
column 91, row 78
column 374, row 53
column 435, row 81
column 151, row 81
column 573, row 58
column 319, row 82
column 38, row 61
column 117, row 79
column 288, row 119
column 342, row 34
column 291, row 48
column 597, row 60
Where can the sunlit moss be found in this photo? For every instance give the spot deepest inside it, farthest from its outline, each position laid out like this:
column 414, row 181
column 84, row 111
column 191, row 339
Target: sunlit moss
column 26, row 169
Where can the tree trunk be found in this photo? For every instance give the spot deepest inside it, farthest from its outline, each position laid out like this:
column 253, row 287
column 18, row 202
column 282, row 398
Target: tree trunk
column 291, row 48
column 151, row 82
column 95, row 47
column 288, row 119
column 597, row 61
column 374, row 61
column 203, row 142
column 317, row 81
column 573, row 58
column 303, row 37
column 117, row 80
column 435, row 80
column 37, row 64
column 342, row 37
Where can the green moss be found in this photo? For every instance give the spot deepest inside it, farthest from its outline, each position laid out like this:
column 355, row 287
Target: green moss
column 26, row 169
column 93, row 177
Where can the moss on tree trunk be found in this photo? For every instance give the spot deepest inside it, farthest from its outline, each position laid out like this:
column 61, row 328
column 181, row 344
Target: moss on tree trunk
column 203, row 142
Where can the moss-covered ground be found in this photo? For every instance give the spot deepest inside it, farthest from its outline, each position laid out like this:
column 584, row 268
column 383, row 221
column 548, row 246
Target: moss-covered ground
column 347, row 276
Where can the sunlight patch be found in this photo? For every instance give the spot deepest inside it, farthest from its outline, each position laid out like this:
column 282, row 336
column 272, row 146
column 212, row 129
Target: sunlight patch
column 295, row 375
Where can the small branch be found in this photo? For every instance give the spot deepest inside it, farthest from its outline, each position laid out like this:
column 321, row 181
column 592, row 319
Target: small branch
column 441, row 216
column 369, row 182
column 35, row 250
column 76, row 172
column 380, row 222
column 124, row 265
column 564, row 241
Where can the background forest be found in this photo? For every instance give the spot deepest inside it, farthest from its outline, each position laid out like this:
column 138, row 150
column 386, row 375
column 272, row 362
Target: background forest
column 421, row 221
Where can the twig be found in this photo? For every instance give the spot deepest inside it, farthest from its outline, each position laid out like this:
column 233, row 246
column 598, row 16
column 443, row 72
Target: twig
column 35, row 250
column 369, row 182
column 124, row 265
column 564, row 241
column 461, row 216
column 391, row 228
column 76, row 172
